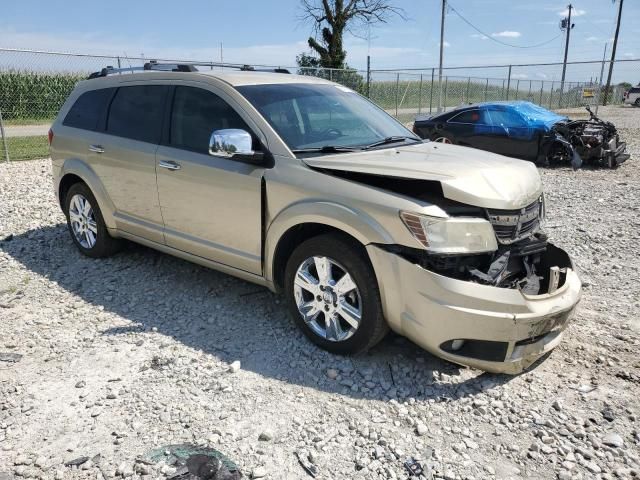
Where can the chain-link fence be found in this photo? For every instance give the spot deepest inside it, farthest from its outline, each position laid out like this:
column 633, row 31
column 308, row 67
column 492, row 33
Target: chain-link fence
column 35, row 84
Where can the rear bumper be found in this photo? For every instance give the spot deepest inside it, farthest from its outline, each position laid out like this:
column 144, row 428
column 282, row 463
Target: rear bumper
column 504, row 330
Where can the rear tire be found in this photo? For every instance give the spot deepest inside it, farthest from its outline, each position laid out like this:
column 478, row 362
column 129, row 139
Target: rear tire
column 86, row 224
column 637, row 102
column 440, row 137
column 332, row 294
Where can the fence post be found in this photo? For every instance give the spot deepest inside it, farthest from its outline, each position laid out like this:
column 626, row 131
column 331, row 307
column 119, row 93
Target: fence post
column 502, row 91
column 446, row 84
column 433, row 72
column 119, row 64
column 467, row 94
column 486, row 87
column 331, row 74
column 420, row 96
column 529, row 94
column 541, row 90
column 368, row 76
column 397, row 91
column 4, row 139
column 508, row 82
column 517, row 88
column 551, row 94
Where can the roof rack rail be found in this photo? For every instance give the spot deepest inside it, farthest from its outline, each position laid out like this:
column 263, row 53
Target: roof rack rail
column 180, row 67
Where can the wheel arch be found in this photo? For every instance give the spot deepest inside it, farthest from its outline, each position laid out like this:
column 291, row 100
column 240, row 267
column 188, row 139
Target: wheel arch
column 306, row 220
column 74, row 171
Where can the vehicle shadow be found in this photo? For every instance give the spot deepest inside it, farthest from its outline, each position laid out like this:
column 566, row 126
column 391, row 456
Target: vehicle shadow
column 231, row 319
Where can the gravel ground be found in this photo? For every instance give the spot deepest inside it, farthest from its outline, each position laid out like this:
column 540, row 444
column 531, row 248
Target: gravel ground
column 131, row 353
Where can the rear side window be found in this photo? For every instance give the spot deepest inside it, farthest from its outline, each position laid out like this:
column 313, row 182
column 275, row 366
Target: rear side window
column 136, row 112
column 471, row 116
column 88, row 109
column 196, row 114
column 635, row 90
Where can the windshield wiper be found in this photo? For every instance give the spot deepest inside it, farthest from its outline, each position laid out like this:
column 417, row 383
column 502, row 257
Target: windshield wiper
column 326, row 149
column 385, row 141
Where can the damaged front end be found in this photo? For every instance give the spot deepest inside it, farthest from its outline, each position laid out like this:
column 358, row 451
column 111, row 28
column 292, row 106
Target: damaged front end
column 593, row 141
column 523, row 260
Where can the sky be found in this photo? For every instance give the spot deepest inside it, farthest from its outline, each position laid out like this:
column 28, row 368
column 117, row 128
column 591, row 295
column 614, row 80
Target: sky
column 271, row 32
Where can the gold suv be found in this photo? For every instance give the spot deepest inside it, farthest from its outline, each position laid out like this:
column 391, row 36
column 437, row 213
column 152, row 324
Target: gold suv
column 307, row 188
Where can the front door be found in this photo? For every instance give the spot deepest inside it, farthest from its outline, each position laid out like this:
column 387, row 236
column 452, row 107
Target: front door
column 211, row 206
column 512, row 134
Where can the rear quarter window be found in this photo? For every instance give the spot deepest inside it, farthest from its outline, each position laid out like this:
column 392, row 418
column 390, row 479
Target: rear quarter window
column 635, row 90
column 88, row 109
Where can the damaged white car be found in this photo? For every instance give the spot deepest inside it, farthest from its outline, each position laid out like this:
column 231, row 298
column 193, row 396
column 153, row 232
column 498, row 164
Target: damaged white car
column 307, row 188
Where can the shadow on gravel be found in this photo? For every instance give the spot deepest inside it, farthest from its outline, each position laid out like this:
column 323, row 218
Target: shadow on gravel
column 234, row 320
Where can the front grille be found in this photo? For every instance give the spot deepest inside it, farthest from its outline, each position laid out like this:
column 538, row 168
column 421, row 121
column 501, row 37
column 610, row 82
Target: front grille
column 513, row 225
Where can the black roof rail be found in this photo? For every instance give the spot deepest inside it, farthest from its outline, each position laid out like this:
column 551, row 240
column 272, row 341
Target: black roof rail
column 250, row 68
column 180, row 67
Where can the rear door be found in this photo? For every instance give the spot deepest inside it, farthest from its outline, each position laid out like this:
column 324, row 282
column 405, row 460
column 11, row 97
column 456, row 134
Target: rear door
column 82, row 125
column 212, row 206
column 123, row 156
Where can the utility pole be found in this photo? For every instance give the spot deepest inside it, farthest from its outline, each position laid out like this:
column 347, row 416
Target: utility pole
column 444, row 8
column 613, row 55
column 569, row 26
column 604, row 55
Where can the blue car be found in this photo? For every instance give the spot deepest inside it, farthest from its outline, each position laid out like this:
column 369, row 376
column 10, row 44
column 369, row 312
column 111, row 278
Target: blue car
column 528, row 131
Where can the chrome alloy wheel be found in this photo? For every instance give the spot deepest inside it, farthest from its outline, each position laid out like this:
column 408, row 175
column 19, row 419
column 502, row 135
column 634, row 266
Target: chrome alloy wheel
column 327, row 298
column 443, row 140
column 83, row 222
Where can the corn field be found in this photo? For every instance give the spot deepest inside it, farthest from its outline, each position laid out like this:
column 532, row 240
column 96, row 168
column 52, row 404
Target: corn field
column 26, row 96
column 34, row 85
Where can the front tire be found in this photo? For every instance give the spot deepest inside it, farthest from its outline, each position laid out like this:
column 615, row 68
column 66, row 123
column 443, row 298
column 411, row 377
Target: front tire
column 332, row 293
column 86, row 224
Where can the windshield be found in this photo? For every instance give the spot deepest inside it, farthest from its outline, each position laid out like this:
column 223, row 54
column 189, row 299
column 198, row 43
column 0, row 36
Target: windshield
column 311, row 116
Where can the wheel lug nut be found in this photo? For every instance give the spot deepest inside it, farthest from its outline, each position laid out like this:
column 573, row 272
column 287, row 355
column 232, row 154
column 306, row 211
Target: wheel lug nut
column 318, row 298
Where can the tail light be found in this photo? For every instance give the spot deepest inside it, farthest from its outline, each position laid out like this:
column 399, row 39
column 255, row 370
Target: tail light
column 50, row 134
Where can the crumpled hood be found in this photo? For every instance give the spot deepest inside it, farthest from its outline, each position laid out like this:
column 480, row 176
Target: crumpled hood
column 467, row 175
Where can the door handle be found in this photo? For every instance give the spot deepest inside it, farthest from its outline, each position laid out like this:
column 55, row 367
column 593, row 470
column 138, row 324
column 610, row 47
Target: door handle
column 169, row 165
column 96, row 148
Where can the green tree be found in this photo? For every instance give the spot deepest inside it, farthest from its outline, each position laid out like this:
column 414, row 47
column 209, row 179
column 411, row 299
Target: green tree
column 332, row 18
column 349, row 77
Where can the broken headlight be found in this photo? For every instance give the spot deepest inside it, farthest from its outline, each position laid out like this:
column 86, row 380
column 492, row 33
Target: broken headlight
column 452, row 234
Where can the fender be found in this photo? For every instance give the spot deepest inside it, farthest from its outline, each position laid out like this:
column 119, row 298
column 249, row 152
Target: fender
column 88, row 176
column 356, row 223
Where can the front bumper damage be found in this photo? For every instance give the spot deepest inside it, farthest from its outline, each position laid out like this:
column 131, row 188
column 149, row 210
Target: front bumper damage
column 592, row 141
column 502, row 330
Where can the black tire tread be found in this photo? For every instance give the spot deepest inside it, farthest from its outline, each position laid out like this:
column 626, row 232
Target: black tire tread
column 353, row 257
column 105, row 245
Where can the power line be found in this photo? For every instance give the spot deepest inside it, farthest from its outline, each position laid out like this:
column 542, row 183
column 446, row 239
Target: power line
column 490, row 37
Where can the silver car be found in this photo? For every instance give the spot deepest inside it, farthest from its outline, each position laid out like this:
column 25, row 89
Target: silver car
column 307, row 188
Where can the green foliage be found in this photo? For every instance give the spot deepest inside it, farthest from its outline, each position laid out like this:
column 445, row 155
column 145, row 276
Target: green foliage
column 310, row 65
column 33, row 96
column 25, row 148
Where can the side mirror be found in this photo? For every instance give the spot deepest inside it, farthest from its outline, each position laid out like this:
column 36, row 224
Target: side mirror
column 233, row 142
